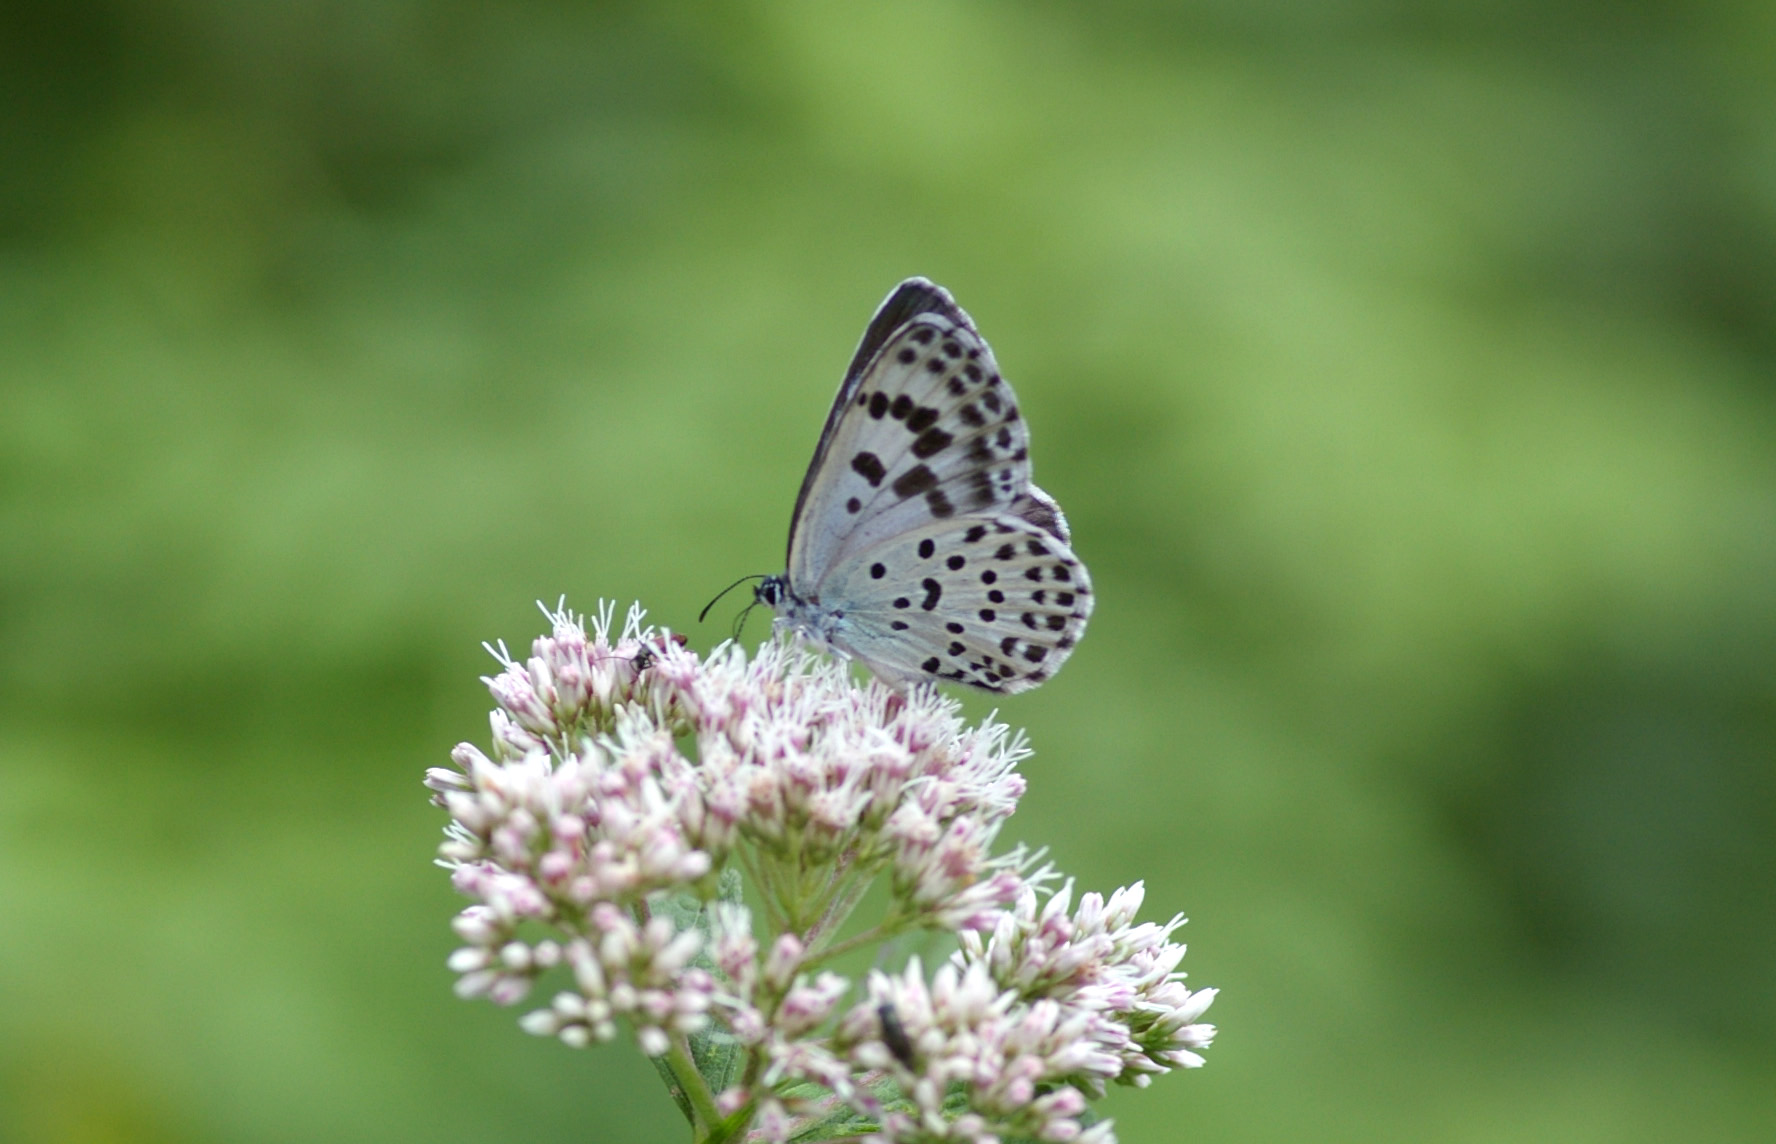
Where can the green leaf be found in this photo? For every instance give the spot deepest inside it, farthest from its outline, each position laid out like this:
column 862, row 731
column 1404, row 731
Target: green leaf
column 720, row 1059
column 842, row 1121
column 730, row 886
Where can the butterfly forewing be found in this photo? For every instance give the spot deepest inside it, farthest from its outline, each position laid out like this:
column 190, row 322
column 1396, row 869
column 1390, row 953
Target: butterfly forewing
column 911, row 298
column 929, row 431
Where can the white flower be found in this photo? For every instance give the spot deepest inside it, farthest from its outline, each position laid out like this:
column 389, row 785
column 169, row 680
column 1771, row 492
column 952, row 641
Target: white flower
column 1011, row 1061
column 1099, row 961
column 629, row 782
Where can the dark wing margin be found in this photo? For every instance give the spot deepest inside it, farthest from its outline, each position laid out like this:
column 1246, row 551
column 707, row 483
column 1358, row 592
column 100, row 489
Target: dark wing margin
column 1038, row 508
column 908, row 300
column 905, row 302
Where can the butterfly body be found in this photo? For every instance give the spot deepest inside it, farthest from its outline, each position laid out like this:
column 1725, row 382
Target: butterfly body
column 919, row 545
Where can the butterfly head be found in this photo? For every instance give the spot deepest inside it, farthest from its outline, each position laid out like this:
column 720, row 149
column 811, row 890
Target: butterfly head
column 771, row 591
column 803, row 614
column 795, row 612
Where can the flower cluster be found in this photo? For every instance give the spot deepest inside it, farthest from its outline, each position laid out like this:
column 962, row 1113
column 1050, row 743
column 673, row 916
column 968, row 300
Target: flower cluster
column 1099, row 962
column 631, row 789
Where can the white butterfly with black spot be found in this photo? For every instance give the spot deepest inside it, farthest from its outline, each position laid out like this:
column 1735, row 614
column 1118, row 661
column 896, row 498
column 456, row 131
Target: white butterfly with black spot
column 918, row 544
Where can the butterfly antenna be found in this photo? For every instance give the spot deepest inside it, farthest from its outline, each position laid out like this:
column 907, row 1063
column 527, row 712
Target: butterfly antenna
column 725, row 591
column 740, row 621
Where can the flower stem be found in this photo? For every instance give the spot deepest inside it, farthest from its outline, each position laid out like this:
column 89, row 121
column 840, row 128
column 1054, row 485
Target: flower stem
column 690, row 1082
column 873, row 934
column 852, row 886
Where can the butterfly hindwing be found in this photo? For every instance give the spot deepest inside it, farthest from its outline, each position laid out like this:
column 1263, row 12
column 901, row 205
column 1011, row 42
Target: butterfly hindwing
column 997, row 603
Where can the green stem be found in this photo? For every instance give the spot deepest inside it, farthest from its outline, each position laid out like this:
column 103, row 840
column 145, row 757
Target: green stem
column 873, row 934
column 690, row 1082
column 756, row 868
column 838, row 910
column 839, row 881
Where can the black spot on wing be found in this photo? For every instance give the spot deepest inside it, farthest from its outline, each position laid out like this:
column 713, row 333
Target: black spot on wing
column 869, row 467
column 916, row 480
column 931, row 441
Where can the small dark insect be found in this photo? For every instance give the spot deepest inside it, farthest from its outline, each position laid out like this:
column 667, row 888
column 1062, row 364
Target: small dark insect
column 644, row 658
column 894, row 1034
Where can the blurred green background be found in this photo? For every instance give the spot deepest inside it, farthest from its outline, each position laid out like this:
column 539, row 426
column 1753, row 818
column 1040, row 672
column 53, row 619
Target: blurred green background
column 1405, row 370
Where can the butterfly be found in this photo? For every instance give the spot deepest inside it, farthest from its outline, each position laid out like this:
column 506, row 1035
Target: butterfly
column 918, row 545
